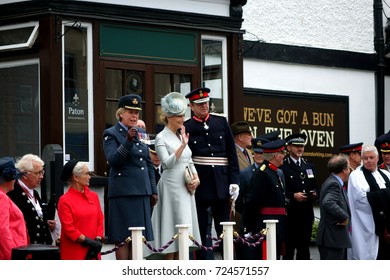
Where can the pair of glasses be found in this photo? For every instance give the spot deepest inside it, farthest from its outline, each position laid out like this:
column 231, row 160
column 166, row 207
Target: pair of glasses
column 38, row 173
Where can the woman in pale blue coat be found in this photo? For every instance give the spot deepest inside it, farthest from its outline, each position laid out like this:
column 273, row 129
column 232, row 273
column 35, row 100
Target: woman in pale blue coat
column 176, row 198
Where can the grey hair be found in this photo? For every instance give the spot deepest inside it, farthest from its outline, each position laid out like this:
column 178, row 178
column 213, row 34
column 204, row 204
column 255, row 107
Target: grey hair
column 78, row 169
column 369, row 148
column 26, row 162
column 269, row 156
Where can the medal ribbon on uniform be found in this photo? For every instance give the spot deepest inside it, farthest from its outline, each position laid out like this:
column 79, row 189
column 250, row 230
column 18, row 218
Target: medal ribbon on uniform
column 204, row 121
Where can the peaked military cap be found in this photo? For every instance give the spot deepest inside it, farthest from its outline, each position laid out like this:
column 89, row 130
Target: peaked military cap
column 296, row 139
column 385, row 146
column 152, row 147
column 270, row 136
column 274, row 146
column 356, row 147
column 199, row 95
column 130, row 101
column 257, row 144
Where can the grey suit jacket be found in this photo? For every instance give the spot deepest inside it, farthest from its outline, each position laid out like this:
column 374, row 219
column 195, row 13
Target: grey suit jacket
column 334, row 209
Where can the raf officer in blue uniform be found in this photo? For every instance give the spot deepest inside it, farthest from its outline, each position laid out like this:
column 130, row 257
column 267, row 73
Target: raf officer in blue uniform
column 301, row 192
column 266, row 199
column 131, row 183
column 214, row 154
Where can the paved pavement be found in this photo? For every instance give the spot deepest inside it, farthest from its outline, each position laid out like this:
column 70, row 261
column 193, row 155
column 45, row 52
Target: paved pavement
column 111, row 256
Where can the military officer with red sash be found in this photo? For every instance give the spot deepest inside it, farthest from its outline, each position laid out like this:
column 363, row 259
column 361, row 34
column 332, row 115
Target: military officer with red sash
column 267, row 200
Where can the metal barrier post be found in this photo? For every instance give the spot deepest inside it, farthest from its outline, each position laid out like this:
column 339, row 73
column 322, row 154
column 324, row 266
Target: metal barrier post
column 271, row 238
column 228, row 240
column 136, row 242
column 183, row 241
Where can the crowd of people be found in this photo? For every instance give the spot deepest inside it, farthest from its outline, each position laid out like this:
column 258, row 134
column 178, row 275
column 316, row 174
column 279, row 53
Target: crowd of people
column 233, row 176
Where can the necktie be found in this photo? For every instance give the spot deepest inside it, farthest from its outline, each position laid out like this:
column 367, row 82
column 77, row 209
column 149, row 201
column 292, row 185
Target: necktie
column 247, row 156
column 298, row 163
column 157, row 174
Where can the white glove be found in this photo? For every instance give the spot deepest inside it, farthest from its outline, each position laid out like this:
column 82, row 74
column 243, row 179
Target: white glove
column 234, row 190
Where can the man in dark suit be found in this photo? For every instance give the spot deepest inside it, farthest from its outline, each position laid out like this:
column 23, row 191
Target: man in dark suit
column 333, row 236
column 155, row 161
column 25, row 196
column 301, row 191
column 214, row 154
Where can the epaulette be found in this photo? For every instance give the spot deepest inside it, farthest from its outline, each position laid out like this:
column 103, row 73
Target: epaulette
column 304, row 160
column 218, row 115
column 263, row 167
column 287, row 159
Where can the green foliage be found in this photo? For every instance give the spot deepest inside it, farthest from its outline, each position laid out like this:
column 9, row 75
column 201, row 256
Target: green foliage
column 314, row 229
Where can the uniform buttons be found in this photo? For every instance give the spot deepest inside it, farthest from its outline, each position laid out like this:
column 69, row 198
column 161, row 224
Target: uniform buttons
column 38, row 234
column 33, row 209
column 142, row 168
column 140, row 151
column 137, row 144
column 212, row 154
column 209, row 145
column 36, row 218
column 38, row 226
column 141, row 159
column 23, row 194
column 212, row 166
column 207, row 133
column 119, row 174
column 220, row 137
column 194, row 142
column 28, row 201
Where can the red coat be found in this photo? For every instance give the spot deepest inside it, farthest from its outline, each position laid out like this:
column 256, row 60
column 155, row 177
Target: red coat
column 13, row 232
column 79, row 213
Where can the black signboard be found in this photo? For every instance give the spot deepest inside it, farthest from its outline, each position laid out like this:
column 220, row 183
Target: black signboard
column 323, row 118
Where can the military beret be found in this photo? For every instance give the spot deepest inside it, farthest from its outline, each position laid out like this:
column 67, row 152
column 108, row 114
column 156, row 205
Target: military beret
column 130, row 101
column 67, row 170
column 199, row 95
column 296, row 139
column 356, row 147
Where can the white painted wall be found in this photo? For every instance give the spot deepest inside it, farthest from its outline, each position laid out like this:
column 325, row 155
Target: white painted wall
column 328, row 24
column 325, row 24
column 210, row 7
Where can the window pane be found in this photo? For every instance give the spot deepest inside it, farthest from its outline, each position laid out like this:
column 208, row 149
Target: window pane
column 76, row 94
column 212, row 72
column 164, row 84
column 19, row 110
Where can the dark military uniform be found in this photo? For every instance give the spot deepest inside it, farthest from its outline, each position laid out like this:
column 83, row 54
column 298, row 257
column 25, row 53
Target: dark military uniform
column 267, row 202
column 300, row 215
column 215, row 158
column 37, row 227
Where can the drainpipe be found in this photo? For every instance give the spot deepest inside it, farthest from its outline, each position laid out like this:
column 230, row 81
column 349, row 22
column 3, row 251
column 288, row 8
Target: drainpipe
column 379, row 44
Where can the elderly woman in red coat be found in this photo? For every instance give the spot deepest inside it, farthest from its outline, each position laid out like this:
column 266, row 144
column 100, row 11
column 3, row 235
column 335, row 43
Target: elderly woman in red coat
column 80, row 215
column 13, row 232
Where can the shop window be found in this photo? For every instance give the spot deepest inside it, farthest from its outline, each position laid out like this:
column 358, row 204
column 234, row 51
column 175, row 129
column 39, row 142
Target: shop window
column 19, row 108
column 214, row 73
column 77, row 92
